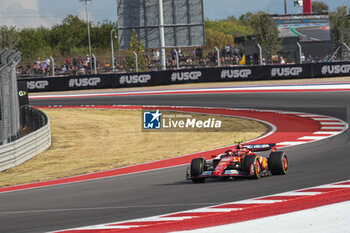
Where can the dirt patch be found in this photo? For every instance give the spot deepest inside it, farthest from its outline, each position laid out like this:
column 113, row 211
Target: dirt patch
column 90, row 140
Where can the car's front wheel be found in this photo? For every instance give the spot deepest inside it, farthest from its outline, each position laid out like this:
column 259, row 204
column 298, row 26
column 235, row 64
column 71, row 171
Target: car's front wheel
column 278, row 163
column 252, row 166
column 197, row 168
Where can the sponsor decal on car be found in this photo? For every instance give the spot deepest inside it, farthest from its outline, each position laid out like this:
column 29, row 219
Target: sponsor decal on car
column 252, row 168
column 236, row 159
column 207, row 173
column 231, row 172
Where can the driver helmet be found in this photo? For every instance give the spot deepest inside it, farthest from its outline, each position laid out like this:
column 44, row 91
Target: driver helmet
column 229, row 152
column 236, row 152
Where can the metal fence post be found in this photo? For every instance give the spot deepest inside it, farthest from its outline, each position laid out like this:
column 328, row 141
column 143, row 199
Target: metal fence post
column 137, row 61
column 300, row 52
column 5, row 102
column 16, row 126
column 261, row 55
column 218, row 52
column 2, row 88
column 9, row 102
column 177, row 59
column 95, row 63
column 52, row 66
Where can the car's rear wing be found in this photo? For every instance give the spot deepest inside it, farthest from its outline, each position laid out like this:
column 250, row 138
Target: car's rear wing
column 260, row 147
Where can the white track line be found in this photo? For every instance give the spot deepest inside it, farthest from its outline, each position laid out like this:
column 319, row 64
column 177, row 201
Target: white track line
column 313, row 137
column 332, row 123
column 209, row 210
column 327, row 132
column 333, row 127
column 294, row 143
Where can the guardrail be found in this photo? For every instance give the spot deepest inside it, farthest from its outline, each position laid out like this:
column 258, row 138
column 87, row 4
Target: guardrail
column 27, row 147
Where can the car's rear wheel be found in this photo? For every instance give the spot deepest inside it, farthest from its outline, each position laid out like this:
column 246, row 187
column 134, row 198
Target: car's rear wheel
column 252, row 165
column 278, row 163
column 197, row 168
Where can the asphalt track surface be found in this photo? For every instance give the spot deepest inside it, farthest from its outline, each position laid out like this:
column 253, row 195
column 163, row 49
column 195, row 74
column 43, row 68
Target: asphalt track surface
column 165, row 191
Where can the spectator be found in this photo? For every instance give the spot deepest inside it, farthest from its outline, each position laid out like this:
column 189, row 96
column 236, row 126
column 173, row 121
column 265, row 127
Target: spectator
column 302, row 58
column 173, row 56
column 282, row 61
column 47, row 62
column 69, row 63
column 107, row 67
column 199, row 53
column 228, row 51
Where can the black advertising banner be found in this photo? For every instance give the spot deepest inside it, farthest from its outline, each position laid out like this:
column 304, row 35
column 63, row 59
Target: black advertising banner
column 169, row 77
column 70, row 83
column 336, row 69
column 288, row 72
column 141, row 79
column 241, row 73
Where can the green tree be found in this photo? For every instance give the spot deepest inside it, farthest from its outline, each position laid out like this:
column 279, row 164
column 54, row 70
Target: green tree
column 136, row 46
column 33, row 42
column 341, row 25
column 9, row 37
column 319, row 7
column 100, row 34
column 266, row 32
column 245, row 19
column 71, row 33
column 232, row 27
column 216, row 38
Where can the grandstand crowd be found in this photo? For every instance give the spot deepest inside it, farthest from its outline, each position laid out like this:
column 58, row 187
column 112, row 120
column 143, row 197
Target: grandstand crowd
column 229, row 56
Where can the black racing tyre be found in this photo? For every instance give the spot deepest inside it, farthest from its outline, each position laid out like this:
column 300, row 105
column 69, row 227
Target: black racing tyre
column 278, row 163
column 248, row 161
column 197, row 168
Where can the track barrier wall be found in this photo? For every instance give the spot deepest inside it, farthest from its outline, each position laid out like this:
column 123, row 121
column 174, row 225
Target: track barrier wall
column 220, row 74
column 18, row 119
column 17, row 152
column 9, row 104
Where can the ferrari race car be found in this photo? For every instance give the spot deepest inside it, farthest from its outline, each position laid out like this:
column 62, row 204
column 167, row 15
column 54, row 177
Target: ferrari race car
column 242, row 161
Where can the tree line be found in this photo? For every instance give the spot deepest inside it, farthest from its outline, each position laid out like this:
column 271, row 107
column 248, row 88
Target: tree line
column 69, row 38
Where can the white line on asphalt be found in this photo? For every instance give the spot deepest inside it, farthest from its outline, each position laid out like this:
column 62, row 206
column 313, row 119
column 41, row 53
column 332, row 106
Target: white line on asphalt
column 290, row 143
column 298, row 194
column 333, row 127
column 327, row 132
column 324, row 119
column 254, row 201
column 335, row 186
column 210, row 210
column 332, row 123
column 313, row 137
column 309, row 115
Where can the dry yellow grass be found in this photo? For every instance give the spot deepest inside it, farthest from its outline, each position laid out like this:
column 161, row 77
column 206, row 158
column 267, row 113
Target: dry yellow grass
column 85, row 140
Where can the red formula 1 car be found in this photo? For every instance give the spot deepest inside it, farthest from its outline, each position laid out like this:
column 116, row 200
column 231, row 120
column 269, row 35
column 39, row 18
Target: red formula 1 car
column 242, row 161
